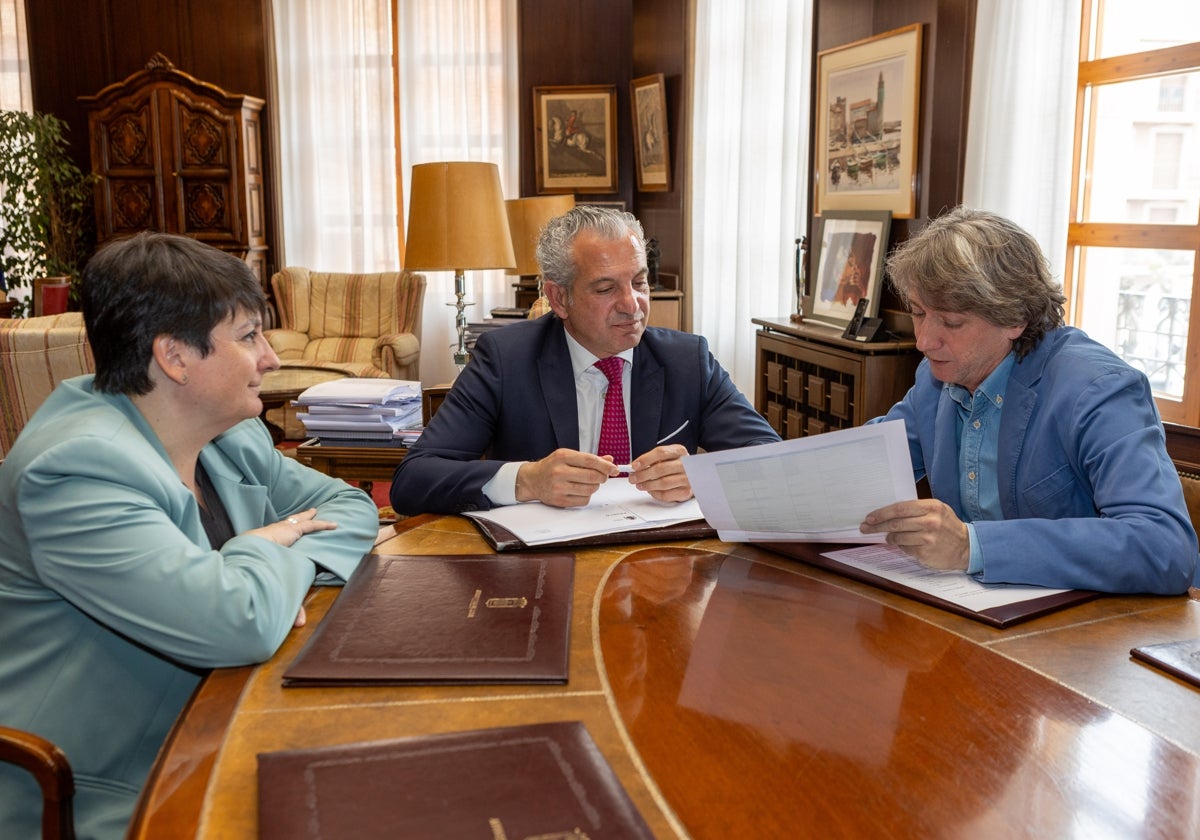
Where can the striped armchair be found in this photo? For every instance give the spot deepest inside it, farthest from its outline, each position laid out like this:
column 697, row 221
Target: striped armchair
column 361, row 324
column 35, row 355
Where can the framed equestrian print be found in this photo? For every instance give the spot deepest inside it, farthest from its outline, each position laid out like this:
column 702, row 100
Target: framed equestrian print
column 651, row 158
column 868, row 94
column 575, row 138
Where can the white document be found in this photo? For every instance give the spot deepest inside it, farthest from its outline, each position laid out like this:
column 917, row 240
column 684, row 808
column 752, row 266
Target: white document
column 617, row 506
column 366, row 389
column 817, row 488
column 890, row 562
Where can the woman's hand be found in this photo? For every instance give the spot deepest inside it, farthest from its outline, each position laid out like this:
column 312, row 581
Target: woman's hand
column 286, row 531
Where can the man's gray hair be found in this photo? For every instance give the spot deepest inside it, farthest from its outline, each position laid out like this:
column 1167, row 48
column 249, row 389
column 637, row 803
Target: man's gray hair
column 555, row 248
column 980, row 263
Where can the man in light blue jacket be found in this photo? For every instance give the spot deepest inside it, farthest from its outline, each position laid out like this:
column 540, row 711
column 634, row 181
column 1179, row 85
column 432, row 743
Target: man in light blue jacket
column 149, row 530
column 1044, row 451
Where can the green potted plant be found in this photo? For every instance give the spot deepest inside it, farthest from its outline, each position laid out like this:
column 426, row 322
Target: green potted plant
column 46, row 219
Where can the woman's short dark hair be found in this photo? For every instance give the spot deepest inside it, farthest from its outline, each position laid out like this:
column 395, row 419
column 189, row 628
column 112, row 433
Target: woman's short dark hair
column 981, row 263
column 153, row 284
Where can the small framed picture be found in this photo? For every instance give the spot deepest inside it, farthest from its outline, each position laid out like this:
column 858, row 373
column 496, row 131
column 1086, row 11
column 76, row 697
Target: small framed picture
column 652, row 157
column 575, row 138
column 851, row 246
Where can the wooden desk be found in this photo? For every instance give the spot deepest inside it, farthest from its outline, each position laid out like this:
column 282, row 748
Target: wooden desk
column 739, row 694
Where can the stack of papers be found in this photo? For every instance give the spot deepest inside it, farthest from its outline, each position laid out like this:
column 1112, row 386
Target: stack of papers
column 362, row 410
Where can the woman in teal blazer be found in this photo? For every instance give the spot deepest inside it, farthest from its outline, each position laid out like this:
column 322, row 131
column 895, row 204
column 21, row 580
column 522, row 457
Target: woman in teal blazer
column 149, row 530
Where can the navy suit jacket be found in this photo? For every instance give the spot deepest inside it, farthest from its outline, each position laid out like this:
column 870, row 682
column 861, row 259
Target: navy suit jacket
column 515, row 401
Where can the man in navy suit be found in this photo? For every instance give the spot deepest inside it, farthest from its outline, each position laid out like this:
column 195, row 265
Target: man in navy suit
column 523, row 420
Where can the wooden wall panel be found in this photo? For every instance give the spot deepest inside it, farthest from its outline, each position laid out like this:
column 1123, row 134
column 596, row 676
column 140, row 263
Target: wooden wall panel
column 575, row 42
column 659, row 45
column 580, row 42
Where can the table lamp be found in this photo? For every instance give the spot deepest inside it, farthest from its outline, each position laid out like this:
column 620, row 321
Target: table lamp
column 456, row 221
column 526, row 218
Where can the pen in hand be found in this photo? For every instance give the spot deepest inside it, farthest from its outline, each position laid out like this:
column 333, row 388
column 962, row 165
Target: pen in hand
column 677, row 431
column 626, row 469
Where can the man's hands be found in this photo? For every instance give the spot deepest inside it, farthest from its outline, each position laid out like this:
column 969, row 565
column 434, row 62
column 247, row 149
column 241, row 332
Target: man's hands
column 567, row 478
column 926, row 529
column 660, row 473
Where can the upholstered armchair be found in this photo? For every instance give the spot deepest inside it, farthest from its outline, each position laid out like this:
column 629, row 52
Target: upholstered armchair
column 361, row 324
column 35, row 355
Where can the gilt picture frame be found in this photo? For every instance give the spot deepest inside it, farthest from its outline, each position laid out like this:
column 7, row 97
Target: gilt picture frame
column 575, row 138
column 868, row 101
column 850, row 250
column 651, row 139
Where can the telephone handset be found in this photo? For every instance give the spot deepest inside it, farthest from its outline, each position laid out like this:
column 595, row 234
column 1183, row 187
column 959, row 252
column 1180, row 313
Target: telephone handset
column 862, row 328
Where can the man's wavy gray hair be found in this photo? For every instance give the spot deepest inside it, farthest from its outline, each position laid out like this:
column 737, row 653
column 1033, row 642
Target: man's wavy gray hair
column 978, row 262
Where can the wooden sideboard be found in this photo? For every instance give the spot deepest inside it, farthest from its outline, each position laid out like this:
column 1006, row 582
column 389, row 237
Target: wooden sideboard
column 809, row 380
column 175, row 154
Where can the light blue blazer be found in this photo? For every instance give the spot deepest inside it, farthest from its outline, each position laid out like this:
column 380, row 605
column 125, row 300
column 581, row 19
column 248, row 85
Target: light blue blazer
column 113, row 605
column 1091, row 499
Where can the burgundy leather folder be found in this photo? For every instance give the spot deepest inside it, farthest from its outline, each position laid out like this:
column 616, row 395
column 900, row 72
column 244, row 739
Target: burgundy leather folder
column 475, row 618
column 1002, row 616
column 502, row 539
column 1179, row 659
column 540, row 780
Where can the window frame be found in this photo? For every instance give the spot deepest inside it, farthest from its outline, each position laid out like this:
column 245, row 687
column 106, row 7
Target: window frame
column 1082, row 234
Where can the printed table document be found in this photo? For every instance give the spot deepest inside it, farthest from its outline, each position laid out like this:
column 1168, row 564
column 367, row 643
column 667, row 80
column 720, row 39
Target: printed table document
column 814, row 489
column 891, row 563
column 617, row 506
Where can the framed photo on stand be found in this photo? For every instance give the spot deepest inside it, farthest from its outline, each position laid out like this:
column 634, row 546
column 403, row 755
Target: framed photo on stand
column 575, row 138
column 849, row 253
column 868, row 94
column 651, row 153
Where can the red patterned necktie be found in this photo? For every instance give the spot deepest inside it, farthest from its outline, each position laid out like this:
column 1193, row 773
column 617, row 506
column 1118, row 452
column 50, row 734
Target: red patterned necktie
column 614, row 433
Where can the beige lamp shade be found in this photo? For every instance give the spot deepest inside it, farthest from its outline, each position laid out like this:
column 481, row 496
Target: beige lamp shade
column 526, row 218
column 456, row 218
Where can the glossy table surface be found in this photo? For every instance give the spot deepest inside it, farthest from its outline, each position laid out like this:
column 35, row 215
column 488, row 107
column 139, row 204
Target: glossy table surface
column 737, row 693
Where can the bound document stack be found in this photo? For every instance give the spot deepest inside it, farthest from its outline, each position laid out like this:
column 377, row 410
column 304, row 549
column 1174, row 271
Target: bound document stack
column 362, row 411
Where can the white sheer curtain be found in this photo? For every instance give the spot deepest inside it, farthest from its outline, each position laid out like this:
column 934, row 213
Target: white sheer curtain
column 458, row 79
column 1022, row 120
column 15, row 93
column 748, row 183
column 337, row 150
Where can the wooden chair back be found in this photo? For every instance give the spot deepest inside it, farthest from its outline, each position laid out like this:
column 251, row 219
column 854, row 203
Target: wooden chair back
column 50, row 768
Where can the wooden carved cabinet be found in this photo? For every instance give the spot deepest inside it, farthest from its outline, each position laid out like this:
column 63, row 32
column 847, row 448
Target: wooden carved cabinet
column 175, row 154
column 809, row 380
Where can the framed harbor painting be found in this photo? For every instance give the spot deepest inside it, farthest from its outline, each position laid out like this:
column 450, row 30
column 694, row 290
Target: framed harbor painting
column 868, row 96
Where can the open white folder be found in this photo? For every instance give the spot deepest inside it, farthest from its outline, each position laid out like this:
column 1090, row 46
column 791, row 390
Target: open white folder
column 816, row 488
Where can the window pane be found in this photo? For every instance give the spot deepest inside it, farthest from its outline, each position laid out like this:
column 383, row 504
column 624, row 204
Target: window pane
column 1137, row 302
column 1137, row 171
column 1130, row 26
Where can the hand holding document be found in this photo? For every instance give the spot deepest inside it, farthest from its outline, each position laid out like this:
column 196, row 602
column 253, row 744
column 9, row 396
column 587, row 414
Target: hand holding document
column 817, row 488
column 617, row 506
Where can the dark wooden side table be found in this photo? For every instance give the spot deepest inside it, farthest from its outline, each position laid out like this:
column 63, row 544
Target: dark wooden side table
column 363, row 464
